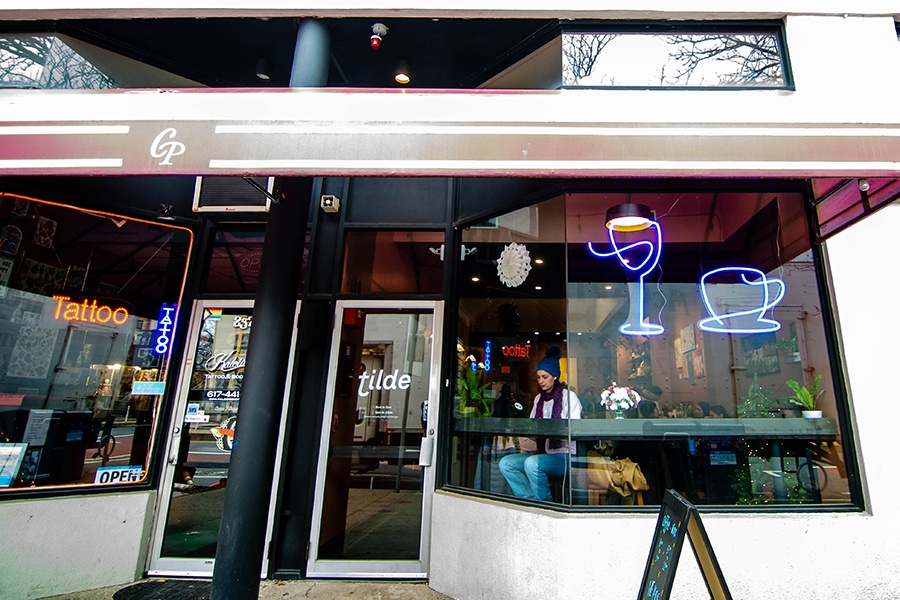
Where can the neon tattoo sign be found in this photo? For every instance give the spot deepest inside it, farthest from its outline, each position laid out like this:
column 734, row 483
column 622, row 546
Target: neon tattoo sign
column 88, row 312
column 635, row 324
column 750, row 320
column 164, row 329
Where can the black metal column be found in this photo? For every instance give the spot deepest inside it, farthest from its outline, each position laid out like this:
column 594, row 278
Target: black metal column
column 241, row 543
column 240, row 550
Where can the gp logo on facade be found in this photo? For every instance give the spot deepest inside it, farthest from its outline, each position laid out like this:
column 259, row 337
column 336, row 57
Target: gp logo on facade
column 166, row 150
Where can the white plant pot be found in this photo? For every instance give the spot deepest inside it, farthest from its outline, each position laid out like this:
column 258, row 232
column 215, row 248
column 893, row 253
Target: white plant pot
column 812, row 414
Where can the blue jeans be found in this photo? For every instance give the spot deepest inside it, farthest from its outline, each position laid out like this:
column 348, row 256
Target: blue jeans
column 527, row 474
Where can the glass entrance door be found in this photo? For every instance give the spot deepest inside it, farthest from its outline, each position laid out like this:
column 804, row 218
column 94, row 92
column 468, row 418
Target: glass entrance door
column 199, row 448
column 375, row 481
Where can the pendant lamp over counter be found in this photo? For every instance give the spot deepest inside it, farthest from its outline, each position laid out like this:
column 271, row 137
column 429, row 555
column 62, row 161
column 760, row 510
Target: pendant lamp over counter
column 629, row 217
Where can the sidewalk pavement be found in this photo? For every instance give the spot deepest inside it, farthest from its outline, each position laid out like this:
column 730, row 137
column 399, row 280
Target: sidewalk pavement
column 185, row 589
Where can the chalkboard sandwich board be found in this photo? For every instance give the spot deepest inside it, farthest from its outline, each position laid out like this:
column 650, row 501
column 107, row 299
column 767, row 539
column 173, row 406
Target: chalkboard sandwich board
column 678, row 517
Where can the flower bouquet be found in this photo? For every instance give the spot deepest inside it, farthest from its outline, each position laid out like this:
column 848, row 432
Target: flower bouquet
column 618, row 399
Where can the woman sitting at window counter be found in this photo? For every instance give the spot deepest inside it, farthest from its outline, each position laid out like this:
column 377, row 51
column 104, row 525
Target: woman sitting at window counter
column 528, row 473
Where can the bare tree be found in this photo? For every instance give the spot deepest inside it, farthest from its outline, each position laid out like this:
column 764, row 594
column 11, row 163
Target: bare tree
column 580, row 53
column 43, row 61
column 748, row 59
column 22, row 59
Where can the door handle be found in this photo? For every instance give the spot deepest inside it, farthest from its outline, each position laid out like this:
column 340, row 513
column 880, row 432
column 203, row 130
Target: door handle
column 426, row 449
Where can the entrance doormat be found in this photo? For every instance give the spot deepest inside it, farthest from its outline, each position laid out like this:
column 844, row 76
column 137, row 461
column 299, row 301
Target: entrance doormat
column 166, row 589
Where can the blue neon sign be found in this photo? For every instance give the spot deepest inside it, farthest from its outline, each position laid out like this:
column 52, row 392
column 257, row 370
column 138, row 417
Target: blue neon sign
column 752, row 320
column 165, row 328
column 635, row 324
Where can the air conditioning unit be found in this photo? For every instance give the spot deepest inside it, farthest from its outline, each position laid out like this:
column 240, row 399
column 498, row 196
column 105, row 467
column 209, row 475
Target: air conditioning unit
column 231, row 194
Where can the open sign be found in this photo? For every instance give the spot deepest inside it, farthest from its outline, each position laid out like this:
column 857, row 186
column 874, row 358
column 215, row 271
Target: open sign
column 107, row 475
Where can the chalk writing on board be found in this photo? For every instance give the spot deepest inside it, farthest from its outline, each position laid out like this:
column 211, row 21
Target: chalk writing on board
column 679, row 518
column 668, row 539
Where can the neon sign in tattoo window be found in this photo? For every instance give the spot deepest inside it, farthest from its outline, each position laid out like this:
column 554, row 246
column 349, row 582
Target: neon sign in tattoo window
column 164, row 330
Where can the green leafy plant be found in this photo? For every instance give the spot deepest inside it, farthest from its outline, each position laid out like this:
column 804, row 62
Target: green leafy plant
column 804, row 397
column 471, row 388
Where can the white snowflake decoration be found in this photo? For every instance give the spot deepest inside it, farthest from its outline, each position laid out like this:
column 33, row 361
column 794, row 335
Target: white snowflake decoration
column 513, row 265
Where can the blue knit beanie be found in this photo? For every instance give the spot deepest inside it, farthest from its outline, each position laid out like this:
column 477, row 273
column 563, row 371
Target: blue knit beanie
column 550, row 362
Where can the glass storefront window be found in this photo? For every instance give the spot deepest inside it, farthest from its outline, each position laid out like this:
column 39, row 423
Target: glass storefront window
column 690, row 345
column 653, row 56
column 46, row 62
column 88, row 306
column 236, row 257
column 383, row 262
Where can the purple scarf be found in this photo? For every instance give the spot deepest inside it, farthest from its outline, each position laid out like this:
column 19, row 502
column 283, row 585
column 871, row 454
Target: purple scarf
column 555, row 395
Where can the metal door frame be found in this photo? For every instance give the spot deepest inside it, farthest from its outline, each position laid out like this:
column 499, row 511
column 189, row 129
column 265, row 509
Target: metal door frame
column 203, row 567
column 396, row 569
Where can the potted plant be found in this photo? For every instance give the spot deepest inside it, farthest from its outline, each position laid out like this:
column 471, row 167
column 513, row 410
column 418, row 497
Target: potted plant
column 807, row 398
column 471, row 390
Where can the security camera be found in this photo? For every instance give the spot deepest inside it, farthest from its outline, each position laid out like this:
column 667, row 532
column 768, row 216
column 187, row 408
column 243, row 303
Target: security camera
column 379, row 30
column 330, row 204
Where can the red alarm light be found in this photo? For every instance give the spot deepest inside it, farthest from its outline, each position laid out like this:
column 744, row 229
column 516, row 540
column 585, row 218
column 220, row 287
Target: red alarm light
column 379, row 30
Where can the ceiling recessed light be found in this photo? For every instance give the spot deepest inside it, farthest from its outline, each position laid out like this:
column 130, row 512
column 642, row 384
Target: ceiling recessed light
column 538, row 288
column 607, row 287
column 476, row 279
column 539, row 261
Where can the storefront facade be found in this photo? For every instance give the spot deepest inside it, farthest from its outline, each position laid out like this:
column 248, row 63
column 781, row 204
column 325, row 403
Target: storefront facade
column 451, row 239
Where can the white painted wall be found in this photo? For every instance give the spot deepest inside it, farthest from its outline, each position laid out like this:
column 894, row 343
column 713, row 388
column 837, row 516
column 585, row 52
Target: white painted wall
column 486, row 549
column 62, row 545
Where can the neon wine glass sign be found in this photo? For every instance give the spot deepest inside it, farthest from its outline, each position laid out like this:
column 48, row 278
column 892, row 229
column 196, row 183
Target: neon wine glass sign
column 635, row 324
column 742, row 321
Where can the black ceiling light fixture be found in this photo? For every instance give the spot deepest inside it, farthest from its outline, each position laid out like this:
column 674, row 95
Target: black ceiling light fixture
column 629, row 216
column 264, row 69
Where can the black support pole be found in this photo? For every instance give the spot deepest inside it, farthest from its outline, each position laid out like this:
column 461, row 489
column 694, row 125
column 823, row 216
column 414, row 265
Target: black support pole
column 240, row 550
column 241, row 544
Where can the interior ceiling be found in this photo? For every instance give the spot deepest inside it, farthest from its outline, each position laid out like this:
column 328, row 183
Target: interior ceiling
column 223, row 52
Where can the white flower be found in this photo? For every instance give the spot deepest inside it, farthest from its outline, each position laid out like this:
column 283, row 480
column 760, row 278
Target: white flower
column 619, row 398
column 514, row 265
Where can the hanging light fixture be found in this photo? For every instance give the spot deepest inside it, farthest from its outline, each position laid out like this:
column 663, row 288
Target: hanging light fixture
column 629, row 216
column 264, row 69
column 401, row 73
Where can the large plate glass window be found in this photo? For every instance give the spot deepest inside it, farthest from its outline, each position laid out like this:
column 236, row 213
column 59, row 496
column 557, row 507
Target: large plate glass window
column 88, row 305
column 697, row 347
